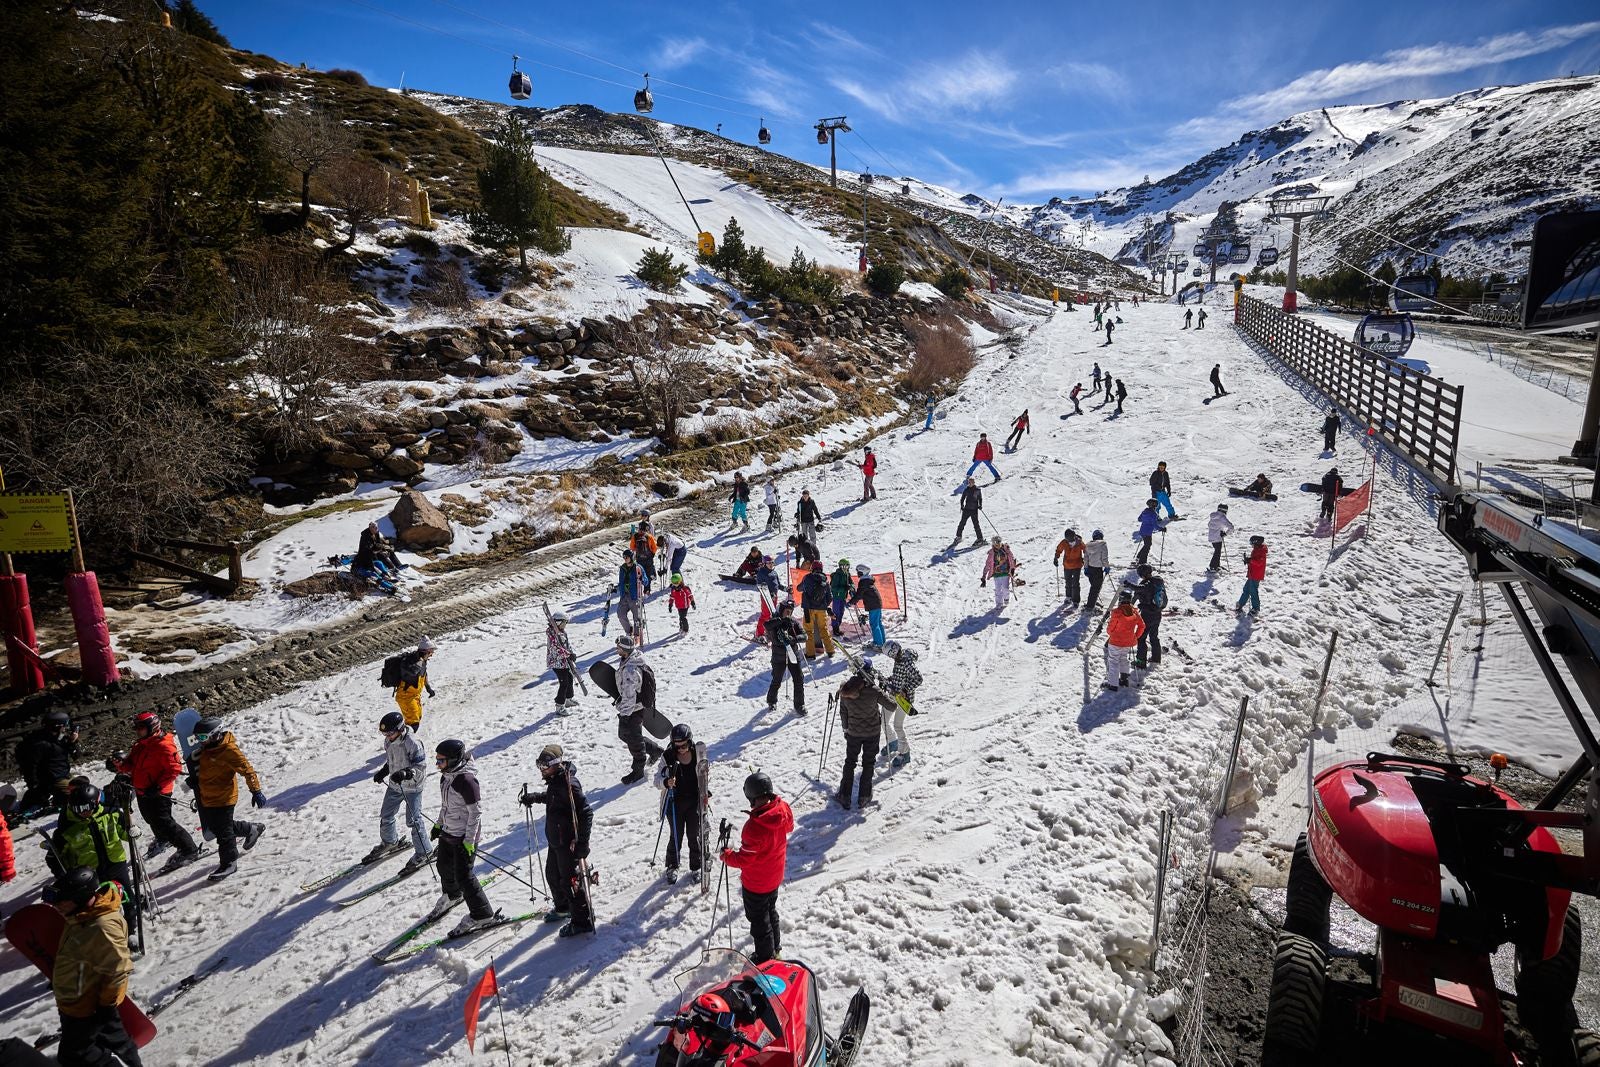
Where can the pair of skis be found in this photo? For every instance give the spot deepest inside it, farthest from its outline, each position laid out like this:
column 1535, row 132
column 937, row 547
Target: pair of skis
column 573, row 665
column 410, row 941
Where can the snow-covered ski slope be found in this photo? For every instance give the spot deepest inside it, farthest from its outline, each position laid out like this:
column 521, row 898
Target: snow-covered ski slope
column 640, row 188
column 996, row 903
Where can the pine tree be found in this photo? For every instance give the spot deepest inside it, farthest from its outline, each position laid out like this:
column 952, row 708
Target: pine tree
column 729, row 259
column 516, row 208
column 189, row 19
column 657, row 270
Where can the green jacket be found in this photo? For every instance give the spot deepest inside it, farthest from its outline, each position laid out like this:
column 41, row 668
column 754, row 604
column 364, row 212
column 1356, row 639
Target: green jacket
column 91, row 841
column 840, row 582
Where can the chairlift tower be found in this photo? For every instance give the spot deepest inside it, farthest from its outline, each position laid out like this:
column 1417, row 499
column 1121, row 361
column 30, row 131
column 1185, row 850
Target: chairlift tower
column 828, row 133
column 1296, row 209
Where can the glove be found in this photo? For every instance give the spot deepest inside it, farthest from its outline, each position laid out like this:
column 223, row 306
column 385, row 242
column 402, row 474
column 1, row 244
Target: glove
column 116, row 758
column 433, row 834
column 984, row 582
column 258, row 799
column 580, row 850
column 530, row 799
column 193, row 782
column 402, row 775
column 383, row 772
column 470, row 847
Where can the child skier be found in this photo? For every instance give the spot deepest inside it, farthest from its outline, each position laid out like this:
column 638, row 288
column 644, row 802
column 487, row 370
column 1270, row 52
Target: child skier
column 560, row 658
column 681, row 597
column 1000, row 565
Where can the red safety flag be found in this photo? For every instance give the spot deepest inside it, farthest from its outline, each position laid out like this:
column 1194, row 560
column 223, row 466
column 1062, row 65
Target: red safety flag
column 1350, row 506
column 485, row 987
column 887, row 589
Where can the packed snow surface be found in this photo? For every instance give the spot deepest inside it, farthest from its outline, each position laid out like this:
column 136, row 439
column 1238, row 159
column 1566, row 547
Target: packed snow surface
column 996, row 902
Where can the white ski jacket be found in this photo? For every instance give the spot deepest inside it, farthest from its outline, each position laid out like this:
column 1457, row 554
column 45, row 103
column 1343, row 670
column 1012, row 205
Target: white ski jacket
column 1096, row 554
column 771, row 495
column 405, row 753
column 1218, row 527
column 458, row 802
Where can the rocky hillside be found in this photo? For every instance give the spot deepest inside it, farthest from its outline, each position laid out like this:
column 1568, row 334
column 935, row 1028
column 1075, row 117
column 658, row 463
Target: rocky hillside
column 1466, row 175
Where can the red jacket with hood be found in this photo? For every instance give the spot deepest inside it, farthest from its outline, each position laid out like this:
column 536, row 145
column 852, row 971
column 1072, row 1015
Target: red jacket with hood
column 763, row 846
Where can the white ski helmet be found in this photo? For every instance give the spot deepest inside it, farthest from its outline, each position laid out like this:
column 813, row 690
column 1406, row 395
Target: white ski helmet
column 559, row 616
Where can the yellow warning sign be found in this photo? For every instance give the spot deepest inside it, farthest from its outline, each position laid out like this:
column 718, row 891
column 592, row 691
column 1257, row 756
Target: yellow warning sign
column 34, row 523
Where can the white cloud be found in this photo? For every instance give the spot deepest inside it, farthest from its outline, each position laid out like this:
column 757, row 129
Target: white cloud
column 1330, row 85
column 1088, row 174
column 1095, row 78
column 826, row 35
column 678, row 51
column 970, row 83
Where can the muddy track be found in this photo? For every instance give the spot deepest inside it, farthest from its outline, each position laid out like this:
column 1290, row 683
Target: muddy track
column 448, row 603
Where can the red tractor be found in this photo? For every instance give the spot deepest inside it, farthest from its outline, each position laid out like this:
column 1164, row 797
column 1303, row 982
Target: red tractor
column 1449, row 867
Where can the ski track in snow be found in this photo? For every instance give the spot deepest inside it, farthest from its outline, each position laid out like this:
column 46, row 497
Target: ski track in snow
column 996, row 904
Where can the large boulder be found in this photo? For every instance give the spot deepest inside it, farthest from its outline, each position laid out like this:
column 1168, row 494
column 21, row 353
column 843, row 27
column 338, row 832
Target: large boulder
column 418, row 524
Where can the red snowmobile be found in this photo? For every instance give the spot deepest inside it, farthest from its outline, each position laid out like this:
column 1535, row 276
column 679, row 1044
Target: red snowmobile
column 1449, row 867
column 741, row 1014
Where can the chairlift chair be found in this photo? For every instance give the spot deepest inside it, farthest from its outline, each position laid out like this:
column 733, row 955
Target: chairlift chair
column 521, row 86
column 643, row 102
column 763, row 135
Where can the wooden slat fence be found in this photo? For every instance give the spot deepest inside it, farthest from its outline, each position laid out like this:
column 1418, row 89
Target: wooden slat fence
column 1417, row 414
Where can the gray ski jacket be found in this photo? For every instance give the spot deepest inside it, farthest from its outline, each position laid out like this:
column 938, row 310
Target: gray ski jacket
column 630, row 680
column 1096, row 553
column 405, row 756
column 458, row 802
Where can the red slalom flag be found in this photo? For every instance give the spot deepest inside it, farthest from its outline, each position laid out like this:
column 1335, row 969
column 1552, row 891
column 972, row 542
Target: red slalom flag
column 485, row 987
column 1350, row 506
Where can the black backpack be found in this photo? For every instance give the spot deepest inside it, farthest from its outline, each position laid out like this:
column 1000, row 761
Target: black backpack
column 398, row 669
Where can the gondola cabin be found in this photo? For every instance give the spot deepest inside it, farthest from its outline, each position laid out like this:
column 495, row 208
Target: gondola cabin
column 1240, row 253
column 1413, row 292
column 764, row 135
column 1387, row 335
column 1199, row 249
column 1268, row 256
column 521, row 86
column 643, row 102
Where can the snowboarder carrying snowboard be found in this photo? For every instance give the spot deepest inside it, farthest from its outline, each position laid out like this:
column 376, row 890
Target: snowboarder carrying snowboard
column 760, row 860
column 91, row 970
column 154, row 766
column 785, row 634
column 218, row 762
column 560, row 658
column 1255, row 571
column 413, row 682
column 1218, row 527
column 568, row 818
column 1001, row 565
column 457, row 833
column 862, row 707
column 681, row 597
column 1069, row 556
column 405, row 766
column 1123, row 629
column 679, row 780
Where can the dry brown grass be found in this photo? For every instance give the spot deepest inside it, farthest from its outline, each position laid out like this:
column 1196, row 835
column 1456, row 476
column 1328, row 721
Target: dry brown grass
column 942, row 352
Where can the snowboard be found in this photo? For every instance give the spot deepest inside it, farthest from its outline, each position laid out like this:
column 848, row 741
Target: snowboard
column 604, row 675
column 1316, row 487
column 36, row 932
column 183, row 725
column 1254, row 496
column 738, row 579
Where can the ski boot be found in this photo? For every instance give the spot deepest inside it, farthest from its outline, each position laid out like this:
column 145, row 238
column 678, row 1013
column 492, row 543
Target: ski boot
column 254, row 834
column 469, row 924
column 574, row 928
column 633, row 776
column 415, row 863
column 445, row 902
column 382, row 849
column 555, row 915
column 670, row 875
column 222, row 872
column 182, row 859
column 563, row 709
column 901, row 760
column 157, row 847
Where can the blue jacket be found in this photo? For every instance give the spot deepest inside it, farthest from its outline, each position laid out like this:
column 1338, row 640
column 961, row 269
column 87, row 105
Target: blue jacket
column 1149, row 524
column 630, row 580
column 765, row 576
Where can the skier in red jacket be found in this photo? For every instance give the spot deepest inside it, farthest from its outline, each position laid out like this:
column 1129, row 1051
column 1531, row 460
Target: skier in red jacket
column 763, row 849
column 1255, row 570
column 1019, row 426
column 153, row 766
column 983, row 455
column 869, row 467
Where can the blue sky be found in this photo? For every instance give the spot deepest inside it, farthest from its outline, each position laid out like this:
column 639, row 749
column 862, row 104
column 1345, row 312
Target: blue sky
column 1025, row 100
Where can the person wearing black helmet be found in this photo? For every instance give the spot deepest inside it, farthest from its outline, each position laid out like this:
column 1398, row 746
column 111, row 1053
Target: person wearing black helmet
column 91, row 970
column 760, row 860
column 152, row 767
column 404, row 767
column 568, row 819
column 218, row 762
column 457, row 834
column 91, row 834
column 631, row 589
column 679, row 780
column 45, row 758
column 786, row 635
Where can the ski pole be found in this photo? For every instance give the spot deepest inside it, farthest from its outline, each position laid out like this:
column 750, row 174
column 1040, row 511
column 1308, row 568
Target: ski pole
column 1162, row 558
column 527, row 822
column 501, row 865
column 661, row 824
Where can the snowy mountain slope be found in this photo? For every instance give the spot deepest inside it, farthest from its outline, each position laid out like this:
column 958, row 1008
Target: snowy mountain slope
column 996, row 904
column 1466, row 174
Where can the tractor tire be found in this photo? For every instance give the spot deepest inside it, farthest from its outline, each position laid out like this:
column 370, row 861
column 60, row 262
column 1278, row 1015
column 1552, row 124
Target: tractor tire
column 1586, row 1048
column 1306, row 908
column 1294, row 1003
column 1545, row 988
